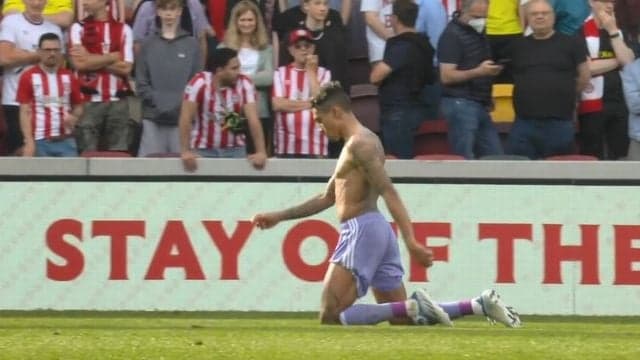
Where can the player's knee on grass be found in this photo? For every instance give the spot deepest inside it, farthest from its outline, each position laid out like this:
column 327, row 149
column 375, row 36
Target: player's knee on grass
column 329, row 315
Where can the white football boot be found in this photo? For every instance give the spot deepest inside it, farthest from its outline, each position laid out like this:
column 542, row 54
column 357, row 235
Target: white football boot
column 496, row 311
column 429, row 312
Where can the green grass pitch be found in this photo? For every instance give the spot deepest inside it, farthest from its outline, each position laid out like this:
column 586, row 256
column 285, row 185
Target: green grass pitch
column 272, row 336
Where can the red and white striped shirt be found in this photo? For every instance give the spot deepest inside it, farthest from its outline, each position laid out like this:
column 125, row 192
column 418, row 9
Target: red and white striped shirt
column 50, row 95
column 103, row 37
column 452, row 6
column 213, row 104
column 296, row 133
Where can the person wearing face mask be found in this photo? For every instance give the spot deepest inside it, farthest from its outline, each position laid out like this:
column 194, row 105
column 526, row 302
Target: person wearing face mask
column 466, row 74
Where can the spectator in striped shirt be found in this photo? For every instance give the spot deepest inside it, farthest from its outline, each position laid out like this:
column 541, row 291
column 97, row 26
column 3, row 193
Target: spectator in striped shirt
column 50, row 103
column 102, row 53
column 218, row 99
column 296, row 133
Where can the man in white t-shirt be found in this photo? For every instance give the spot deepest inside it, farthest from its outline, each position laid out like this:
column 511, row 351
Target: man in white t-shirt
column 19, row 36
column 377, row 15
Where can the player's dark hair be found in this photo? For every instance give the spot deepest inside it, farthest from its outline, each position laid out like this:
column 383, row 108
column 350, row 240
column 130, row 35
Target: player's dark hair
column 46, row 37
column 220, row 58
column 331, row 94
column 406, row 11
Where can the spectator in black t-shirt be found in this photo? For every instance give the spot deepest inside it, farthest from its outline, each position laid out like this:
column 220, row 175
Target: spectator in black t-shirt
column 603, row 112
column 328, row 31
column 466, row 73
column 402, row 74
column 549, row 68
column 329, row 38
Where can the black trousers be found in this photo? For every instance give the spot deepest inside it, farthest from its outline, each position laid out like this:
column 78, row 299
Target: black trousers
column 605, row 134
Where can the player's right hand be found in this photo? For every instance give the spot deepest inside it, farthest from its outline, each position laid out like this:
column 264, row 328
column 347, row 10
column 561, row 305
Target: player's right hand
column 189, row 160
column 265, row 221
column 422, row 254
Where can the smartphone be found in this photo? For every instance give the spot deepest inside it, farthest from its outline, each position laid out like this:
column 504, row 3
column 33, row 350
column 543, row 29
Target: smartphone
column 504, row 61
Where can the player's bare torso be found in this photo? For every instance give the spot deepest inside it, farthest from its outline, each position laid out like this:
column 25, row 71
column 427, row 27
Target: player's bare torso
column 354, row 194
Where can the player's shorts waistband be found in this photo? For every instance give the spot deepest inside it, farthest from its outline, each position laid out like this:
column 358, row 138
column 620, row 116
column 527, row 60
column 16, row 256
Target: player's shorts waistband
column 369, row 216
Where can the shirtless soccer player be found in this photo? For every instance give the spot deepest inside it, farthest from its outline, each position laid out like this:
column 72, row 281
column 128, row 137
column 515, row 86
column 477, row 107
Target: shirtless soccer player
column 367, row 254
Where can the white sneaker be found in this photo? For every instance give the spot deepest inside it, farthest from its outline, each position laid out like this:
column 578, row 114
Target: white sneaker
column 496, row 311
column 429, row 312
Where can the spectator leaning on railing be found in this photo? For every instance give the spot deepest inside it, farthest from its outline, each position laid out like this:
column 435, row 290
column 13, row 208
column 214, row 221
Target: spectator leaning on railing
column 223, row 104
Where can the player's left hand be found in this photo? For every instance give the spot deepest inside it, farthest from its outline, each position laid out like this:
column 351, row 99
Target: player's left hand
column 422, row 254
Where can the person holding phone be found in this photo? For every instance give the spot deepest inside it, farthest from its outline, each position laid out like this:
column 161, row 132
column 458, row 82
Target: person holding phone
column 467, row 72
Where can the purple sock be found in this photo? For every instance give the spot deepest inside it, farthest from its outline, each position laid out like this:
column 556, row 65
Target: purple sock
column 369, row 314
column 457, row 309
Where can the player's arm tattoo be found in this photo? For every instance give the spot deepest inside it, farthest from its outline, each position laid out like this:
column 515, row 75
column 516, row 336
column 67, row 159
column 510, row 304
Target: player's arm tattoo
column 368, row 155
column 314, row 205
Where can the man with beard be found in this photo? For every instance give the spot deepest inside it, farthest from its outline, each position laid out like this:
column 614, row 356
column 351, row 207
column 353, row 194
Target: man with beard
column 216, row 98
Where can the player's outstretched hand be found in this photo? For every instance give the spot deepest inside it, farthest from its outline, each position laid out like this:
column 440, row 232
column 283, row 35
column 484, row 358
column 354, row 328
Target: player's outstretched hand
column 422, row 254
column 265, row 221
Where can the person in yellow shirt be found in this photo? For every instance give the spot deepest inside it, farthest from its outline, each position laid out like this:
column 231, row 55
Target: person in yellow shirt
column 504, row 25
column 59, row 12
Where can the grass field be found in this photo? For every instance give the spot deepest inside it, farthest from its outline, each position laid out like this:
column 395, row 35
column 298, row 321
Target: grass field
column 163, row 335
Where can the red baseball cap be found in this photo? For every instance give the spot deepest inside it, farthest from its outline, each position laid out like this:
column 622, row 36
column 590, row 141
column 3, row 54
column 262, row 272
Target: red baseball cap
column 299, row 34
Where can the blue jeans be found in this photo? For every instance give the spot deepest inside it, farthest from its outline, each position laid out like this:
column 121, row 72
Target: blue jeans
column 471, row 132
column 233, row 152
column 57, row 148
column 540, row 138
column 399, row 125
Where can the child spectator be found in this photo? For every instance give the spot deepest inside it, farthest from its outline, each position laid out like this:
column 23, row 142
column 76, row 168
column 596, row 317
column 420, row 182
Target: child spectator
column 168, row 60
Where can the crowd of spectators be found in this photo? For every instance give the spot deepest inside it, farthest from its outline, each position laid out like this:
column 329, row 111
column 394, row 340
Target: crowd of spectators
column 234, row 78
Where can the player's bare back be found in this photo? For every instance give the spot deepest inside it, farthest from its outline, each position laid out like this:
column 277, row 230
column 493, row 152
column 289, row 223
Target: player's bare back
column 354, row 194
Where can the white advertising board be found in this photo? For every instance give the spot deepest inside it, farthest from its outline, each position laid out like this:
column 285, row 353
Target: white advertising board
column 191, row 246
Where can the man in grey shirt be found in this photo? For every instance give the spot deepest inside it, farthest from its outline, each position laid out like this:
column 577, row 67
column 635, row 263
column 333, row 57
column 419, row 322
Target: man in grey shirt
column 167, row 61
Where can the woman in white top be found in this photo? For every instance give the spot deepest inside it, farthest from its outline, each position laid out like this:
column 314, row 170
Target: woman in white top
column 246, row 33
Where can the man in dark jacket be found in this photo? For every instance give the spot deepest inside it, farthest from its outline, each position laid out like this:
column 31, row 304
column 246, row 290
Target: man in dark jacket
column 402, row 74
column 167, row 61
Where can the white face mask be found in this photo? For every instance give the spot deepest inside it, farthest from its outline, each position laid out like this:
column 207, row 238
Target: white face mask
column 478, row 24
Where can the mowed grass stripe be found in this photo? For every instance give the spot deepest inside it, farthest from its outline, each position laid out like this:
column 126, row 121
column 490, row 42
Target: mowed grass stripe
column 165, row 335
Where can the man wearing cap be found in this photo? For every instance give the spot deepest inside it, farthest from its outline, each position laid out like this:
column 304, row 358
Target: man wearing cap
column 296, row 133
